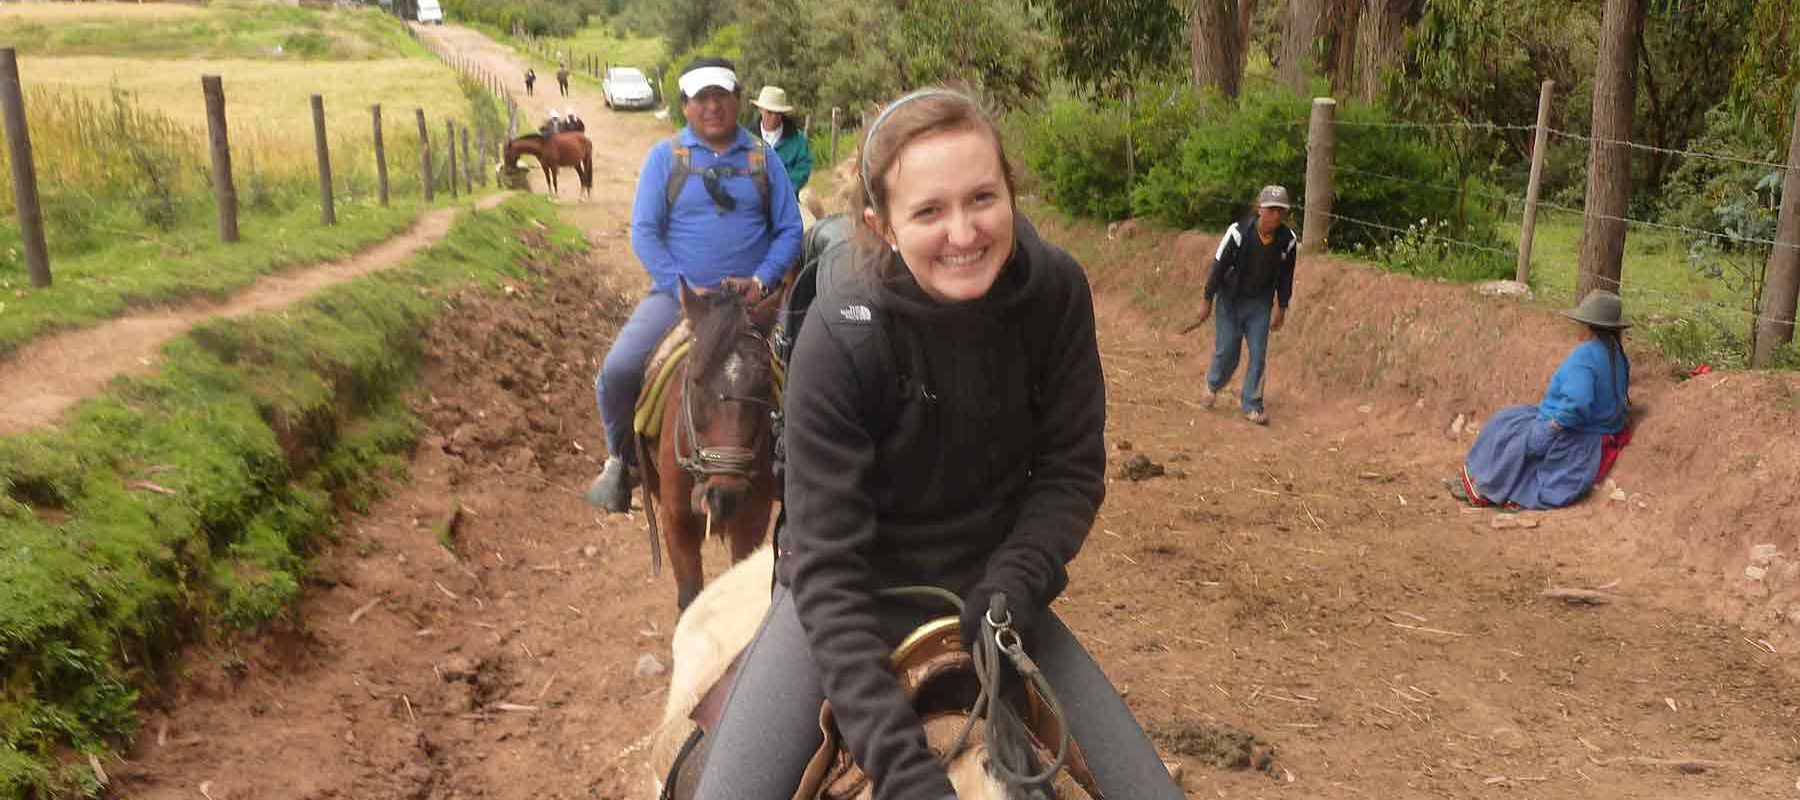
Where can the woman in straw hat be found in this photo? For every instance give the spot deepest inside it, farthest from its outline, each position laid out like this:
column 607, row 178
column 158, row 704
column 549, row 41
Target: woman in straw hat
column 786, row 138
column 1550, row 454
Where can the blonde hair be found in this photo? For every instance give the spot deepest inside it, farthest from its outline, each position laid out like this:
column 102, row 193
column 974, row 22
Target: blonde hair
column 914, row 116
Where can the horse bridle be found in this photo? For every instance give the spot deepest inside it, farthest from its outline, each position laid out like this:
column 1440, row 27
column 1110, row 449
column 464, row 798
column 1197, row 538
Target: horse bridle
column 705, row 462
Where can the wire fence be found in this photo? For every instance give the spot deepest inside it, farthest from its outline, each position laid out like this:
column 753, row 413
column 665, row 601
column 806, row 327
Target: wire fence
column 1712, row 277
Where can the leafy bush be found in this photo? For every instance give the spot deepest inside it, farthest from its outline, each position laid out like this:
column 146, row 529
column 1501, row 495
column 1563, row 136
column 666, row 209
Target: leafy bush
column 1385, row 180
column 540, row 17
column 1077, row 149
column 1425, row 250
column 1200, row 163
column 1079, row 160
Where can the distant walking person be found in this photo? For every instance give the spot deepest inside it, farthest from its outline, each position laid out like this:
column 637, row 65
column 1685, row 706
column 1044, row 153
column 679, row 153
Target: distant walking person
column 1252, row 271
column 530, row 80
column 562, row 79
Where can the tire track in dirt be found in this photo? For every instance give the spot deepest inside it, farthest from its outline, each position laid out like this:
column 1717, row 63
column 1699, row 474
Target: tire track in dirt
column 52, row 373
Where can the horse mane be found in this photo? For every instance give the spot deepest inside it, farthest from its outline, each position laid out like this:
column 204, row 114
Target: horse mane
column 717, row 331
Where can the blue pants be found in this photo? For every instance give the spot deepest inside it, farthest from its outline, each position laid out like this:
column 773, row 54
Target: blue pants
column 1241, row 320
column 621, row 375
column 771, row 722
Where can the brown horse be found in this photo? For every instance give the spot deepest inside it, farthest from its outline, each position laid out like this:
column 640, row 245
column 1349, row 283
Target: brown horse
column 559, row 150
column 709, row 471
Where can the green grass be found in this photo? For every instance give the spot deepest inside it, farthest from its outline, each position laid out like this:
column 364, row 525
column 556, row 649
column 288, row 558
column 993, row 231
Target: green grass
column 155, row 268
column 186, row 501
column 1693, row 318
column 600, row 40
column 231, row 30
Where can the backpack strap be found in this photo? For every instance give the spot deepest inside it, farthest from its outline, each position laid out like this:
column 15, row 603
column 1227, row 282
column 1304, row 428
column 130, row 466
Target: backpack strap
column 759, row 173
column 680, row 170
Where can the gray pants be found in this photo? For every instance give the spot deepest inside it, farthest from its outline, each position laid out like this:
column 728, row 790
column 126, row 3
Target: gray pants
column 771, row 723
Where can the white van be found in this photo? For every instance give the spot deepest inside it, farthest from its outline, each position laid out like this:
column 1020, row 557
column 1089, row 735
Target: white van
column 430, row 11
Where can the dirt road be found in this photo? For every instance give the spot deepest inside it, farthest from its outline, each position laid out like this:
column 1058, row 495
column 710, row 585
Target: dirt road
column 1306, row 587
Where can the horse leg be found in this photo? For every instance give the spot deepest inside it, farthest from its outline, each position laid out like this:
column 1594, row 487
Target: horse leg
column 683, row 536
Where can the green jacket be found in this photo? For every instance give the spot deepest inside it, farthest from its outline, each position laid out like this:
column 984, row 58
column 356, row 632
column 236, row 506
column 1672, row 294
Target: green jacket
column 796, row 154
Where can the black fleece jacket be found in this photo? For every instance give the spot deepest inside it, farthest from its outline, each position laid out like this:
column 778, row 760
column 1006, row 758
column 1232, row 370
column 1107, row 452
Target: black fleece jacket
column 965, row 450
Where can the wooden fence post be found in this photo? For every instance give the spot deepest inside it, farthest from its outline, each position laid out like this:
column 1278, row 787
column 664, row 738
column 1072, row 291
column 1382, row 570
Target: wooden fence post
column 25, row 193
column 450, row 147
column 1539, row 147
column 381, row 176
column 425, row 176
column 468, row 170
column 1321, row 145
column 1782, row 289
column 481, row 170
column 327, row 210
column 224, row 191
column 834, row 135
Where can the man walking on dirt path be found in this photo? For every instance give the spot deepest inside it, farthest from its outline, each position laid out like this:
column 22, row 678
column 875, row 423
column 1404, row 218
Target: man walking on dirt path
column 562, row 79
column 713, row 208
column 530, row 80
column 1252, row 271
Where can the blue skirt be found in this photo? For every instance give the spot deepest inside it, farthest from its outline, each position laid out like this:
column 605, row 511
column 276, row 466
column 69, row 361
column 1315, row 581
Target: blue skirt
column 1521, row 459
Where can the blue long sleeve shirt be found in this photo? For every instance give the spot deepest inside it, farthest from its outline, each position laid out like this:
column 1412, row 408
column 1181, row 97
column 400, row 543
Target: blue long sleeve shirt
column 1586, row 395
column 695, row 239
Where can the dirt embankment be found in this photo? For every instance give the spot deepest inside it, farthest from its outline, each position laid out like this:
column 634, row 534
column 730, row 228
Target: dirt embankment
column 1709, row 478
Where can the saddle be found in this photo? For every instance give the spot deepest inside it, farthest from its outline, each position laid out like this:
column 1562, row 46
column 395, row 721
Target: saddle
column 665, row 362
column 940, row 677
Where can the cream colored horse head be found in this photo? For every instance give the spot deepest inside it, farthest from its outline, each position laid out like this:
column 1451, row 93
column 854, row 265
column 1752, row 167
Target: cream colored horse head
column 714, row 629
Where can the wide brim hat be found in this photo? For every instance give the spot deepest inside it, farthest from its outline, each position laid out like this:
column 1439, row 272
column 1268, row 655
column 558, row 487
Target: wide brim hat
column 1600, row 309
column 773, row 98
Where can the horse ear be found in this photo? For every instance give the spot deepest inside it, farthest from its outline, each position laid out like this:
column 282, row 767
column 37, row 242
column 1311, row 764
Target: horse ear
column 763, row 314
column 692, row 304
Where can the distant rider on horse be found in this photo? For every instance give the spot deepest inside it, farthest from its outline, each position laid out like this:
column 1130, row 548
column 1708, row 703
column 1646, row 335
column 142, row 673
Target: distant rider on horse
column 713, row 208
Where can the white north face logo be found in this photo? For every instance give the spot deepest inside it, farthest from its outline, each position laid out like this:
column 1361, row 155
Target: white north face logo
column 857, row 313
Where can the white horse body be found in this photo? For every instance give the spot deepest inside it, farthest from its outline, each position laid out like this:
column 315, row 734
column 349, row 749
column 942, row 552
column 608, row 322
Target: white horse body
column 715, row 628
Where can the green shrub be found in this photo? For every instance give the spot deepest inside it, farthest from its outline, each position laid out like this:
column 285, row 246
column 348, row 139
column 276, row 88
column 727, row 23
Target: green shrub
column 1200, row 162
column 539, row 17
column 1077, row 150
column 1426, row 251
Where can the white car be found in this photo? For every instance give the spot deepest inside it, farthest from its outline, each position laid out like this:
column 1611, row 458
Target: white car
column 430, row 12
column 626, row 87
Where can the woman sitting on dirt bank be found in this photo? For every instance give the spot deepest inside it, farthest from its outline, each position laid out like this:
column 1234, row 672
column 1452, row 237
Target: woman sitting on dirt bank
column 944, row 426
column 1550, row 454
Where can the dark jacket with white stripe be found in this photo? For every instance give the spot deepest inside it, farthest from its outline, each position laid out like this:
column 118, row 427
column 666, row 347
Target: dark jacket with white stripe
column 1244, row 267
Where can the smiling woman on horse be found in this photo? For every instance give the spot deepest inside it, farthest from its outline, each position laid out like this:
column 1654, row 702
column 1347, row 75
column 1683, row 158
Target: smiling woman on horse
column 944, row 426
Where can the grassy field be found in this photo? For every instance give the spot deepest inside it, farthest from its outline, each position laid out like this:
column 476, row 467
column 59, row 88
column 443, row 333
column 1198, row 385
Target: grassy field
column 267, row 103
column 260, row 429
column 220, row 30
column 600, row 40
column 1693, row 314
column 121, row 148
column 186, row 262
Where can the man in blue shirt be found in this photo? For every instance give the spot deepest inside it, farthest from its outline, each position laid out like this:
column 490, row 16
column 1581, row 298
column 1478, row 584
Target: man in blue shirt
column 728, row 218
